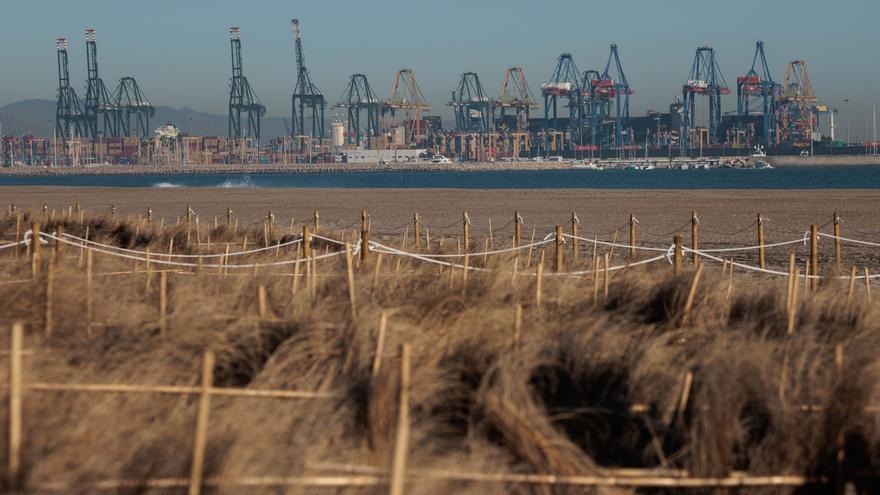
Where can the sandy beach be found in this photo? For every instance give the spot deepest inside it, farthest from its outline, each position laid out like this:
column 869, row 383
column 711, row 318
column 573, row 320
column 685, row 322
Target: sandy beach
column 659, row 212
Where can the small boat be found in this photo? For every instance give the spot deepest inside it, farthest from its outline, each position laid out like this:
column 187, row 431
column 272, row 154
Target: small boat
column 762, row 165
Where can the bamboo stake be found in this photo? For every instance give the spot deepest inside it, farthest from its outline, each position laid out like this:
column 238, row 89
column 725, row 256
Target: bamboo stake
column 163, row 302
column 557, row 260
column 201, row 431
column 792, row 312
column 401, row 443
column 261, row 302
column 351, row 289
column 89, row 269
column 417, row 230
column 517, row 326
column 50, row 275
column 539, row 278
column 595, row 280
column 517, row 228
column 294, row 285
column 867, row 284
column 676, row 265
column 35, row 249
column 376, row 271
column 695, row 237
column 380, row 343
column 792, row 281
column 15, row 406
column 485, row 251
column 606, row 275
column 838, row 257
column 632, row 235
column 491, row 240
column 814, row 256
column 691, row 295
column 466, row 229
column 851, row 289
column 529, row 257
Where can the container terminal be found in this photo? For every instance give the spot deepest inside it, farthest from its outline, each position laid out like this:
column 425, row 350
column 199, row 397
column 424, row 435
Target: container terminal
column 576, row 115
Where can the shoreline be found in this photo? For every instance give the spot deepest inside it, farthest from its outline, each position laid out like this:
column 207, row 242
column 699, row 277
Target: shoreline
column 219, row 169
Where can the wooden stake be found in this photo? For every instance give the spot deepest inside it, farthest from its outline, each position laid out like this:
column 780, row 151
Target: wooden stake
column 417, row 230
column 607, row 274
column 595, row 280
column 761, row 261
column 59, row 246
column 792, row 311
column 200, row 437
column 517, row 326
column 531, row 246
column 376, row 271
column 557, row 260
column 466, row 229
column 574, row 235
column 317, row 218
column 15, row 406
column 867, row 284
column 365, row 238
column 632, row 236
column 539, row 278
column 380, row 343
column 838, row 257
column 306, row 242
column 491, row 240
column 351, row 289
column 50, row 275
column 89, row 267
column 35, row 249
column 229, row 218
column 695, row 237
column 163, row 302
column 676, row 255
column 401, row 442
column 517, row 226
column 691, row 295
column 814, row 255
column 261, row 302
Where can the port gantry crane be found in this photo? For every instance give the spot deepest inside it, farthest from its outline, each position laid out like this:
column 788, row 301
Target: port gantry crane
column 358, row 98
column 406, row 97
column 705, row 79
column 758, row 88
column 607, row 90
column 472, row 107
column 128, row 100
column 241, row 97
column 564, row 83
column 306, row 95
column 69, row 116
column 799, row 107
column 515, row 95
column 98, row 103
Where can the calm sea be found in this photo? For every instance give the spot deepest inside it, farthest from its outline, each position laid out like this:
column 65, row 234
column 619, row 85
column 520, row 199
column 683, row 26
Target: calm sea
column 781, row 178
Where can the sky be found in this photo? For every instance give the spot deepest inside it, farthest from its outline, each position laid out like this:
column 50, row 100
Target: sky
column 179, row 50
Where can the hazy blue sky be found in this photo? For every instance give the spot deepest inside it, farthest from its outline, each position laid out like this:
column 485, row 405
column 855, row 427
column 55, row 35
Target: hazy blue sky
column 179, row 49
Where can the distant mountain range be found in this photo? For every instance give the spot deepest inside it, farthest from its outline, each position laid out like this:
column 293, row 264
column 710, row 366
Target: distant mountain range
column 37, row 117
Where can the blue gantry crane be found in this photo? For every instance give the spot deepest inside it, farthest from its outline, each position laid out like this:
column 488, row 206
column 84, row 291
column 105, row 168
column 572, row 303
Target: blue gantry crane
column 472, row 107
column 564, row 83
column 357, row 99
column 705, row 79
column 306, row 95
column 99, row 113
column 69, row 116
column 758, row 85
column 242, row 98
column 607, row 90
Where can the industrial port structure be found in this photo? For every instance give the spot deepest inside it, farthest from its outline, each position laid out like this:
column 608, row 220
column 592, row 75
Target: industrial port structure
column 584, row 114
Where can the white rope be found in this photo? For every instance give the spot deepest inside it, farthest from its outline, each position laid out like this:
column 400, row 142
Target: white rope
column 845, row 239
column 159, row 261
column 611, row 268
column 752, row 248
column 13, row 244
column 390, row 250
column 775, row 272
column 221, row 255
column 615, row 244
column 487, row 253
